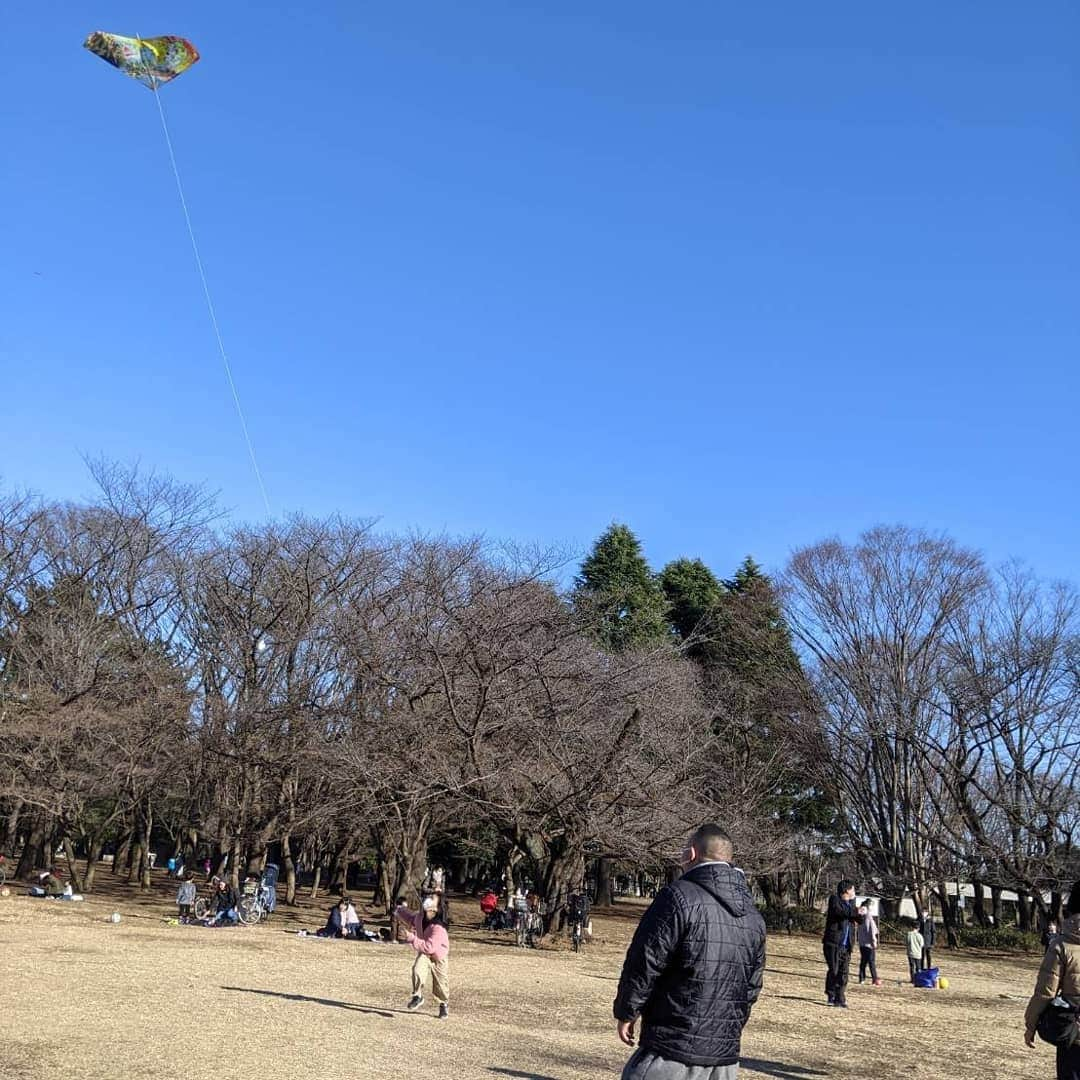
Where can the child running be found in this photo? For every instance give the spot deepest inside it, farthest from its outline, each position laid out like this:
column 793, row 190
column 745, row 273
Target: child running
column 429, row 938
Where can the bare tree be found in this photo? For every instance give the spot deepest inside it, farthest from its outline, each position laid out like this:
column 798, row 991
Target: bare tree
column 875, row 620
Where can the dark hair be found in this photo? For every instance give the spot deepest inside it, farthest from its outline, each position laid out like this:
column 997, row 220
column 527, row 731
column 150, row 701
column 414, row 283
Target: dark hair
column 400, row 900
column 712, row 842
column 843, row 887
column 441, row 914
column 1072, row 905
column 345, row 900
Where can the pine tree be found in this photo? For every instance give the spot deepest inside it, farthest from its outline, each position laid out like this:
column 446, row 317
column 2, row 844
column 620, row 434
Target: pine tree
column 754, row 642
column 693, row 594
column 619, row 595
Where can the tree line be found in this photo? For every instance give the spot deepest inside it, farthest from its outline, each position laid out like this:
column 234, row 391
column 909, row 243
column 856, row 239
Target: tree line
column 322, row 694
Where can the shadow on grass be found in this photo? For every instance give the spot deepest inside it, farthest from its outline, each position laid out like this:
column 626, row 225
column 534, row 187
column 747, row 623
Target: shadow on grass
column 386, row 1014
column 794, row 974
column 777, row 1070
column 520, row 1075
column 804, row 1000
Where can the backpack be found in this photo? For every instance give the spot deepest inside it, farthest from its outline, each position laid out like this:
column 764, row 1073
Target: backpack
column 1058, row 1021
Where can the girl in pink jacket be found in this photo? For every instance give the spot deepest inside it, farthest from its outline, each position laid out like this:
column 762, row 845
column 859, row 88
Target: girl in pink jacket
column 429, row 938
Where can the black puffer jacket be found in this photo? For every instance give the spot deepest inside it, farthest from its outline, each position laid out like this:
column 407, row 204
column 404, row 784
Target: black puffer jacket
column 695, row 967
column 841, row 919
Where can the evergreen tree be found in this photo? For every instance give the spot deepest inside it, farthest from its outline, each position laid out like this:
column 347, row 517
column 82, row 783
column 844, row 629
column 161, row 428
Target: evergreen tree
column 693, row 594
column 753, row 642
column 619, row 595
column 754, row 654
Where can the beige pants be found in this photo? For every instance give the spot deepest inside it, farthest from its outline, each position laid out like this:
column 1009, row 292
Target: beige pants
column 439, row 971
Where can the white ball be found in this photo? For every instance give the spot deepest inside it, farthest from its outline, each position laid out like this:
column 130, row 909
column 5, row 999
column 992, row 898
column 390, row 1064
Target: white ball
column 5, row 891
column 114, row 917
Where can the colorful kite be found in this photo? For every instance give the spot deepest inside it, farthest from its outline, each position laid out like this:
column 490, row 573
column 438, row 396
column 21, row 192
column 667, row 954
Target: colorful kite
column 153, row 61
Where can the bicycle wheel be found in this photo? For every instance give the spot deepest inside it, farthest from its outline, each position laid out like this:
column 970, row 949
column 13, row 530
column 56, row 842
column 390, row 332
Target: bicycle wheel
column 202, row 908
column 249, row 910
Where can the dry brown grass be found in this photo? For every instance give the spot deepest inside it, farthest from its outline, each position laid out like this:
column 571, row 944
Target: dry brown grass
column 82, row 998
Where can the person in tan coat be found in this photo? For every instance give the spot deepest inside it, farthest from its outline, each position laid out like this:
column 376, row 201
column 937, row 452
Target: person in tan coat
column 1051, row 978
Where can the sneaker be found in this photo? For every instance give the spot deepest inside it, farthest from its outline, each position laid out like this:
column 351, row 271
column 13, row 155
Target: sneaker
column 444, row 1012
column 878, row 982
column 415, row 1002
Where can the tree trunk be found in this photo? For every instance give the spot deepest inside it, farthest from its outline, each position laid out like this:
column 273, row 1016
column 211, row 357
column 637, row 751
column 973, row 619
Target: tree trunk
column 290, row 869
column 605, row 896
column 123, row 854
column 235, row 855
column 339, row 874
column 995, row 903
column 73, row 866
column 93, row 857
column 11, row 828
column 144, row 869
column 563, row 868
column 136, row 857
column 317, row 881
column 765, row 884
column 978, row 910
column 950, row 909
column 190, row 846
column 33, row 852
column 1023, row 910
column 382, row 897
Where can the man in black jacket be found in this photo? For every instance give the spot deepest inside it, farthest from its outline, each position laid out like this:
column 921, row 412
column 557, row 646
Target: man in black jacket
column 929, row 935
column 694, row 969
column 841, row 920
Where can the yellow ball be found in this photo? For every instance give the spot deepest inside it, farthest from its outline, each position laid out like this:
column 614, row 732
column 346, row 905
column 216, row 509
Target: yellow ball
column 943, row 984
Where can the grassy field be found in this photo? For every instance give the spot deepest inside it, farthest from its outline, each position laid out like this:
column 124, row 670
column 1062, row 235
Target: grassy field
column 83, row 998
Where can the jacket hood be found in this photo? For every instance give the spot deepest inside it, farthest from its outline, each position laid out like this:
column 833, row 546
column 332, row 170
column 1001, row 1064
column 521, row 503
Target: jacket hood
column 1070, row 930
column 726, row 884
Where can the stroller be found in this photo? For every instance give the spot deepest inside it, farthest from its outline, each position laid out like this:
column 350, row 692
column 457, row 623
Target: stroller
column 268, row 888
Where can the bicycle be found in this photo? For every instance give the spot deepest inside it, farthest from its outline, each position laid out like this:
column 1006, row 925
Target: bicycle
column 578, row 917
column 252, row 910
column 577, row 935
column 204, row 905
column 258, row 904
column 529, row 921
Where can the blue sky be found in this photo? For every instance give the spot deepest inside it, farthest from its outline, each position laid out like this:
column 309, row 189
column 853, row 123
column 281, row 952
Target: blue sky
column 742, row 276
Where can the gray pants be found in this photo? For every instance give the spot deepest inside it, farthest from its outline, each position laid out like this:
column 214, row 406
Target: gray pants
column 645, row 1065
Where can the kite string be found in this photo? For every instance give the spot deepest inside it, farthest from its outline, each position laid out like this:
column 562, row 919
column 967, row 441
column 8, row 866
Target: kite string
column 210, row 306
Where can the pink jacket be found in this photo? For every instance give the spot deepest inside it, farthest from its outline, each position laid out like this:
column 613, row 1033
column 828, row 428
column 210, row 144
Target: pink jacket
column 432, row 940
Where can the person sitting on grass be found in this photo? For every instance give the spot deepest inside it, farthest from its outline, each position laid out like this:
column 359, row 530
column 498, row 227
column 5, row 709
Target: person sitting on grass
column 225, row 904
column 342, row 922
column 49, row 884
